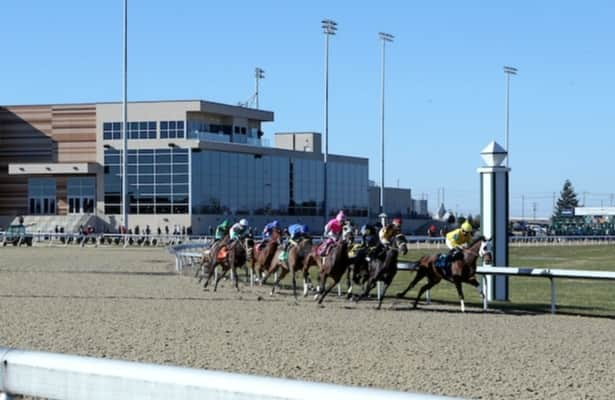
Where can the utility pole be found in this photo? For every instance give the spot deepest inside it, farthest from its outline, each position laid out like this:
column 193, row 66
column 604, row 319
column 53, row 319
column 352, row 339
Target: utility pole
column 329, row 28
column 508, row 71
column 258, row 74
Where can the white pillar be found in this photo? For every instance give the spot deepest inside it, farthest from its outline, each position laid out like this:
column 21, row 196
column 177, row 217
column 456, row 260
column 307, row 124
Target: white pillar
column 495, row 215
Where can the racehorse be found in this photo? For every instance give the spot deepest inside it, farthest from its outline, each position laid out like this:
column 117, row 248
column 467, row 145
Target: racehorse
column 358, row 268
column 461, row 270
column 334, row 266
column 208, row 254
column 384, row 268
column 237, row 254
column 262, row 257
column 293, row 262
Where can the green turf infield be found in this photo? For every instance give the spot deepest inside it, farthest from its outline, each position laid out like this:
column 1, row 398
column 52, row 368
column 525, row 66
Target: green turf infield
column 532, row 294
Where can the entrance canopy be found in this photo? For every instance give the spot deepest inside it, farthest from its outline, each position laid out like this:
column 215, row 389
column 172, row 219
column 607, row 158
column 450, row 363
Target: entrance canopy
column 54, row 169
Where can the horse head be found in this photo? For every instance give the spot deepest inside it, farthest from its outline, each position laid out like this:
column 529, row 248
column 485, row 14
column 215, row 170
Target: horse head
column 486, row 251
column 401, row 243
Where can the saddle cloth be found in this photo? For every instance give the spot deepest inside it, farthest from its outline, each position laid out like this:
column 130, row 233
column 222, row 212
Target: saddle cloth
column 222, row 253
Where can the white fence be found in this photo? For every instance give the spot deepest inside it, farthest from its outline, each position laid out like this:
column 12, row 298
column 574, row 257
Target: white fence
column 66, row 377
column 49, row 239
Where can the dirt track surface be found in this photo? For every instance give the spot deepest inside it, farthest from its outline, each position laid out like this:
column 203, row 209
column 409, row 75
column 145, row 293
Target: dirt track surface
column 128, row 304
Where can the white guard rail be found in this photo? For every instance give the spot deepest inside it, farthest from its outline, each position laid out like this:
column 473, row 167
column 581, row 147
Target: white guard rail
column 67, row 377
column 551, row 274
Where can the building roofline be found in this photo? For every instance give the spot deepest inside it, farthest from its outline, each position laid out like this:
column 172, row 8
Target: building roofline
column 86, row 103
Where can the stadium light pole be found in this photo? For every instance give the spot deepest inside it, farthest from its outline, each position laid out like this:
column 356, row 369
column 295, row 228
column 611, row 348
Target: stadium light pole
column 124, row 122
column 329, row 28
column 258, row 74
column 384, row 37
column 508, row 71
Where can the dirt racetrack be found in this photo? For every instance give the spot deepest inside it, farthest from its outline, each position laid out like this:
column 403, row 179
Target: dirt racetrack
column 129, row 304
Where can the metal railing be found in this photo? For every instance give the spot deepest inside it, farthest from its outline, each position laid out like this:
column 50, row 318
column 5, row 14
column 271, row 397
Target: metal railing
column 548, row 273
column 68, row 377
column 98, row 239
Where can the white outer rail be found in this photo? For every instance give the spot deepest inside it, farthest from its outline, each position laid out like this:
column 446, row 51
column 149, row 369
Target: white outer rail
column 551, row 274
column 67, row 377
column 544, row 273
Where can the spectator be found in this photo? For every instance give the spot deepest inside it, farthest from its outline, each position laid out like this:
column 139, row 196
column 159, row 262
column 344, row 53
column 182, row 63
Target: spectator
column 159, row 231
column 432, row 230
column 166, row 229
column 147, row 230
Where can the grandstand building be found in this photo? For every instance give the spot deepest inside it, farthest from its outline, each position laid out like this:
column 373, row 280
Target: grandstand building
column 190, row 164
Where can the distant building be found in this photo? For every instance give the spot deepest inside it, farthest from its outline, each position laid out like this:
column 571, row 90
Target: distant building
column 190, row 163
column 397, row 203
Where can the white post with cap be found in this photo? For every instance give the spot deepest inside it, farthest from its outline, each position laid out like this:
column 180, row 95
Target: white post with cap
column 494, row 214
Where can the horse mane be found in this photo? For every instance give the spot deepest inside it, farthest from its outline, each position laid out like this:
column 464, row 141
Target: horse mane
column 481, row 238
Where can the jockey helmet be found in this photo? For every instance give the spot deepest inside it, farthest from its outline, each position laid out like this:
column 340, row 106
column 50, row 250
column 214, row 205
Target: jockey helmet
column 366, row 230
column 340, row 216
column 466, row 227
column 225, row 223
column 397, row 221
column 305, row 228
column 243, row 222
column 275, row 223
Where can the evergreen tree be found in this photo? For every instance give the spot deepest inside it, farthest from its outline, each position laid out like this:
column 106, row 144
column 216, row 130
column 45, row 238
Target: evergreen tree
column 567, row 199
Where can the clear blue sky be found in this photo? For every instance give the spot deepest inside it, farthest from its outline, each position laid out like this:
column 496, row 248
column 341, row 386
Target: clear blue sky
column 445, row 87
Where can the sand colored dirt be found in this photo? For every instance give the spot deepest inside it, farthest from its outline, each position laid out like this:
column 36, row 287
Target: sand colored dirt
column 129, row 304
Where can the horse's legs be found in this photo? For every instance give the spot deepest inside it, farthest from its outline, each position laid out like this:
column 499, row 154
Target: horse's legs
column 371, row 284
column 212, row 269
column 420, row 274
column 281, row 275
column 235, row 277
column 272, row 268
column 220, row 276
column 474, row 282
column 457, row 282
column 292, row 273
column 327, row 290
column 384, row 290
column 431, row 283
column 307, row 282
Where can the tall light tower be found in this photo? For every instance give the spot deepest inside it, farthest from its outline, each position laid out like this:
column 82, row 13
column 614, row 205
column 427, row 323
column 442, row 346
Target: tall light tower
column 508, row 71
column 258, row 74
column 125, row 123
column 329, row 28
column 384, row 37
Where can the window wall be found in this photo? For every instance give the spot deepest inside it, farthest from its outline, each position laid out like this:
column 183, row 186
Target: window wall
column 239, row 183
column 81, row 193
column 172, row 129
column 136, row 130
column 347, row 188
column 271, row 184
column 157, row 181
column 42, row 195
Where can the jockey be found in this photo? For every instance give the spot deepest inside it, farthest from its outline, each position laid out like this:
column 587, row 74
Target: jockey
column 267, row 231
column 368, row 236
column 333, row 230
column 269, row 228
column 388, row 232
column 222, row 230
column 386, row 235
column 455, row 241
column 240, row 230
column 460, row 236
column 296, row 232
column 347, row 229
